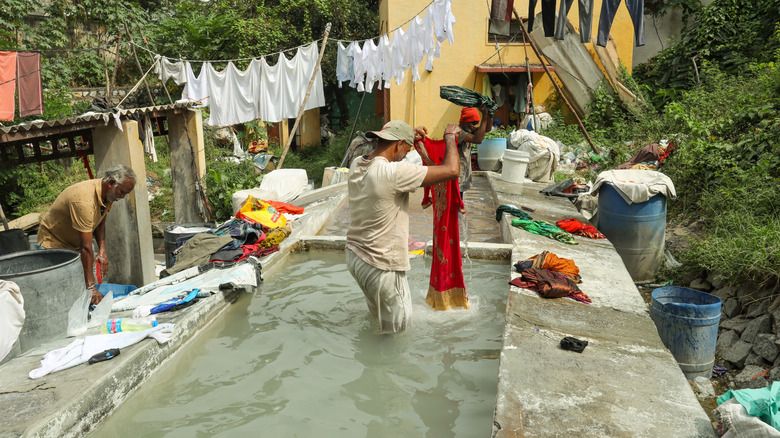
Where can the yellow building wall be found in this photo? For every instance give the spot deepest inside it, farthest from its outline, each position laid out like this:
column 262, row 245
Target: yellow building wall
column 418, row 103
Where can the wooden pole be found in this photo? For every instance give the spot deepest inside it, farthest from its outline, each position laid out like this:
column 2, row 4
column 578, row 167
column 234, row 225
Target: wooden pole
column 2, row 216
column 306, row 97
column 146, row 44
column 135, row 55
column 117, row 58
column 543, row 59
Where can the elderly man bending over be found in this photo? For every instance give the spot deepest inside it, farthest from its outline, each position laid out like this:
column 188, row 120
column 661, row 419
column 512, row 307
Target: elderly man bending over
column 79, row 214
column 379, row 185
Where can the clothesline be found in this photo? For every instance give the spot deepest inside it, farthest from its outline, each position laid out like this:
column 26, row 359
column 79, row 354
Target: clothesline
column 281, row 51
column 222, row 60
column 53, row 59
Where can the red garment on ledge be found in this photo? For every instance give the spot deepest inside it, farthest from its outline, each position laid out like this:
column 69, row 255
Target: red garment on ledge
column 447, row 288
column 576, row 227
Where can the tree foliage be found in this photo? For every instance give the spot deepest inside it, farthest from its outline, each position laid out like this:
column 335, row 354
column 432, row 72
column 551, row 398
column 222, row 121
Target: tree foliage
column 727, row 33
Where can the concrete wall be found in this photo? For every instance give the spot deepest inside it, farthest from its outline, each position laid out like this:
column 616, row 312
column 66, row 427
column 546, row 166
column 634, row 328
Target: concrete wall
column 419, row 103
column 128, row 228
column 659, row 34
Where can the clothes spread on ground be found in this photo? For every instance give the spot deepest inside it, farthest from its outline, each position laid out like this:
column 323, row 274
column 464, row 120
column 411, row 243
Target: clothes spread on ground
column 276, row 236
column 81, row 350
column 28, row 83
column 551, row 276
column 652, row 155
column 576, row 227
column 197, row 251
column 550, row 261
column 511, row 209
column 11, row 316
column 284, row 207
column 211, row 278
column 609, row 9
column 243, row 232
column 549, row 284
column 447, row 288
column 7, row 85
column 546, row 229
column 586, row 19
column 761, row 404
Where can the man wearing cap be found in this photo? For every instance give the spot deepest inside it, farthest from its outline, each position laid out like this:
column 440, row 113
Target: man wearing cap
column 79, row 214
column 472, row 132
column 379, row 185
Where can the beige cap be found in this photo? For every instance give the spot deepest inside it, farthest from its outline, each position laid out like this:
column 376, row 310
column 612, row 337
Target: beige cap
column 394, row 130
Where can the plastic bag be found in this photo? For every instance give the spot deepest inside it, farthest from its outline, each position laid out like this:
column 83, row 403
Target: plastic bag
column 102, row 311
column 77, row 317
column 261, row 212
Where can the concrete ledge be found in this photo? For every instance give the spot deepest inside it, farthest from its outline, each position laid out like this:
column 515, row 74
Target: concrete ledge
column 71, row 402
column 624, row 384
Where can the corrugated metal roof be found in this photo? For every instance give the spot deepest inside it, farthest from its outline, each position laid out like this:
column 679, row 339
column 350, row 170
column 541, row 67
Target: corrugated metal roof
column 89, row 117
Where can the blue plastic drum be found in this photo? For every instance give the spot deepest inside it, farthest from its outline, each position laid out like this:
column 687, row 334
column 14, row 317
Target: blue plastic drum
column 687, row 321
column 636, row 231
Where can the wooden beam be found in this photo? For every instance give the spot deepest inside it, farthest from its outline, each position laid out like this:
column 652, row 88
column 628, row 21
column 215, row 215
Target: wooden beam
column 510, row 68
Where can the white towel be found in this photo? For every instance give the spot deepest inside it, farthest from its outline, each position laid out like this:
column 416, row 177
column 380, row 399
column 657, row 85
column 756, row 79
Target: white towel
column 80, row 350
column 11, row 315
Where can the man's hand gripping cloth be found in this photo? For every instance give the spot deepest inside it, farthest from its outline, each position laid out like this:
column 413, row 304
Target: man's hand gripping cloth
column 447, row 288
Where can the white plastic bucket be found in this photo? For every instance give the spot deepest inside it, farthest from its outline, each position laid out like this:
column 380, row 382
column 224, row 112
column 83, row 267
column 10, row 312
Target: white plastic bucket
column 515, row 166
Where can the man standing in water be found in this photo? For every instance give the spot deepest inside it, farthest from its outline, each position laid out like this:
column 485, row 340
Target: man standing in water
column 79, row 214
column 379, row 185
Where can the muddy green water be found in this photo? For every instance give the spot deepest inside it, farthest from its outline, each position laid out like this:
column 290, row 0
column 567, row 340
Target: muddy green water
column 301, row 358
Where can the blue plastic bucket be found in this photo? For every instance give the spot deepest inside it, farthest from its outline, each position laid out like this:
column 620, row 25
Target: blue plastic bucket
column 636, row 231
column 687, row 321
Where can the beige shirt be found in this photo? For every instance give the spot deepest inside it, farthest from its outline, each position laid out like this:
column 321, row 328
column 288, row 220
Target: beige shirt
column 379, row 209
column 78, row 209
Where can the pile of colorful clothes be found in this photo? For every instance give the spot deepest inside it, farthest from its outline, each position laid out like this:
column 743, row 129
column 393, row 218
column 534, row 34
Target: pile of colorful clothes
column 234, row 240
column 550, row 276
